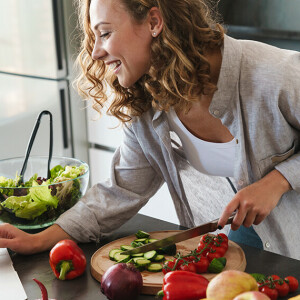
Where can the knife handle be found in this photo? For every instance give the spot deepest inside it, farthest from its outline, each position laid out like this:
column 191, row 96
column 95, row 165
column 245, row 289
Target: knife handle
column 214, row 223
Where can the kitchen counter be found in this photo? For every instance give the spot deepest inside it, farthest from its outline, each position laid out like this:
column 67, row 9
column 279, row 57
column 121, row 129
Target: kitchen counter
column 87, row 288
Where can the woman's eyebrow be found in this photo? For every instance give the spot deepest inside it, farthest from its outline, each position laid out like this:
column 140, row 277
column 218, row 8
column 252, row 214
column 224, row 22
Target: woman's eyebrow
column 98, row 24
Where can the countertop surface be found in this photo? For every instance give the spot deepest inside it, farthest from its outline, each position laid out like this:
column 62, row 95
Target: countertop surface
column 86, row 287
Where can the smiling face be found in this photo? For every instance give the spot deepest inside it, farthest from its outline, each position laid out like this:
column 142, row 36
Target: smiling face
column 120, row 42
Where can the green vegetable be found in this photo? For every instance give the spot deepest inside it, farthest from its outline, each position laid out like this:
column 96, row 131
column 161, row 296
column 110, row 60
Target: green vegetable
column 35, row 203
column 223, row 260
column 150, row 254
column 142, row 234
column 216, row 266
column 154, row 267
column 40, row 202
column 258, row 277
column 7, row 183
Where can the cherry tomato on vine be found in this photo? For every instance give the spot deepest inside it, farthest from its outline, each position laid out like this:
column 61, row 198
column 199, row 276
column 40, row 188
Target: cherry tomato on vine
column 275, row 277
column 211, row 255
column 271, row 293
column 202, row 265
column 292, row 282
column 219, row 249
column 188, row 267
column 282, row 288
column 168, row 266
column 224, row 237
column 206, row 239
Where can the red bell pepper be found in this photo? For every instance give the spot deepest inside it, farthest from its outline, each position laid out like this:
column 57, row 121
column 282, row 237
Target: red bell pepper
column 179, row 285
column 67, row 260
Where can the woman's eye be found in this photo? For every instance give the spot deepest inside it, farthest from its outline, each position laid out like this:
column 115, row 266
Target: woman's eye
column 104, row 35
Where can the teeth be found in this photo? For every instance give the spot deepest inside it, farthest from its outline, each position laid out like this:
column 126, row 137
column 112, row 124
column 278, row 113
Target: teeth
column 114, row 64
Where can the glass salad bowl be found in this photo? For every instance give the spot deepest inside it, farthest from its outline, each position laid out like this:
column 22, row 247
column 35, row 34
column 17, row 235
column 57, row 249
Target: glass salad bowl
column 39, row 201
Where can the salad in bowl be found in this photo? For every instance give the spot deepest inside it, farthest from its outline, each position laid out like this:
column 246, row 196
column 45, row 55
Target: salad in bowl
column 37, row 201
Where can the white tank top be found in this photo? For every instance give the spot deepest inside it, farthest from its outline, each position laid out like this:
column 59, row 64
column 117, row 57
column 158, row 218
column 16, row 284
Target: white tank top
column 215, row 159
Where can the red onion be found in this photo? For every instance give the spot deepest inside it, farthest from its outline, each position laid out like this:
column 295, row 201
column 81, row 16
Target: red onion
column 122, row 282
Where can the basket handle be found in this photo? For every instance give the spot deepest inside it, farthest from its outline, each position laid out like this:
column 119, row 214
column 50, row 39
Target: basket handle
column 30, row 144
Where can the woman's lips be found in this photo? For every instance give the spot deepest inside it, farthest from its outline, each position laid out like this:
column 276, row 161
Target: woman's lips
column 115, row 66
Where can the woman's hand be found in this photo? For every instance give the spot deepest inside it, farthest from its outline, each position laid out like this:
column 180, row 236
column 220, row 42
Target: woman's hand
column 26, row 243
column 255, row 202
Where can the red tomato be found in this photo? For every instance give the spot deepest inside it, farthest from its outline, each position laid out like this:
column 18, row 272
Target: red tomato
column 271, row 293
column 292, row 282
column 201, row 245
column 188, row 267
column 224, row 237
column 202, row 265
column 219, row 249
column 211, row 255
column 168, row 265
column 206, row 239
column 275, row 277
column 282, row 288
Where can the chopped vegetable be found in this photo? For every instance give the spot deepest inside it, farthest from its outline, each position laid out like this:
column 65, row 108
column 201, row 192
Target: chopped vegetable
column 67, row 260
column 142, row 234
column 122, row 282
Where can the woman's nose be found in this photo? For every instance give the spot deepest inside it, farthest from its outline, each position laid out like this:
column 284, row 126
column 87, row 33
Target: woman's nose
column 98, row 51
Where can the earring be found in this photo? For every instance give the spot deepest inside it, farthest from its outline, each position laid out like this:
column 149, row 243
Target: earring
column 154, row 33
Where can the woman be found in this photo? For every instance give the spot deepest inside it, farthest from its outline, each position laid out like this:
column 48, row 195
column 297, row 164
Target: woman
column 171, row 67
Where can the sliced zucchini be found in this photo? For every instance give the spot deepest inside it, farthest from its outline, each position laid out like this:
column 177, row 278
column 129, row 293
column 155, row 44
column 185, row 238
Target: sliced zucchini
column 152, row 240
column 159, row 257
column 135, row 244
column 135, row 259
column 142, row 262
column 150, row 254
column 154, row 267
column 121, row 257
column 143, row 240
column 138, row 255
column 142, row 234
column 112, row 253
column 126, row 247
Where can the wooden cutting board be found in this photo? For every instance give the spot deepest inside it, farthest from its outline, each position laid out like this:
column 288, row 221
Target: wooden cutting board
column 152, row 282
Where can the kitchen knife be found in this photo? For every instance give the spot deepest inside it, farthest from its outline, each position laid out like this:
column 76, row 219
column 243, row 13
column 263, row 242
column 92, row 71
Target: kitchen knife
column 179, row 237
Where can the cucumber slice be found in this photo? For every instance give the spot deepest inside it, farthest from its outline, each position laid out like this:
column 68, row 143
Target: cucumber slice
column 135, row 259
column 143, row 240
column 121, row 257
column 126, row 247
column 142, row 262
column 150, row 254
column 135, row 244
column 154, row 267
column 142, row 234
column 138, row 255
column 152, row 240
column 159, row 257
column 112, row 253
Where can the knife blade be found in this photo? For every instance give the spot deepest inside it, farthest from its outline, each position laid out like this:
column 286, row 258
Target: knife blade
column 179, row 237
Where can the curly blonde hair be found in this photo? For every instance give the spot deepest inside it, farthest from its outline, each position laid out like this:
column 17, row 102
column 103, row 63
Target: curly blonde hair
column 179, row 71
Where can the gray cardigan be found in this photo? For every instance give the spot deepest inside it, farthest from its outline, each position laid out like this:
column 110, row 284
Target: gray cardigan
column 258, row 100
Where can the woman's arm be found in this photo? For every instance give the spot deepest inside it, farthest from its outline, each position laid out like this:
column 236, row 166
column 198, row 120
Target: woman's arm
column 26, row 243
column 255, row 202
